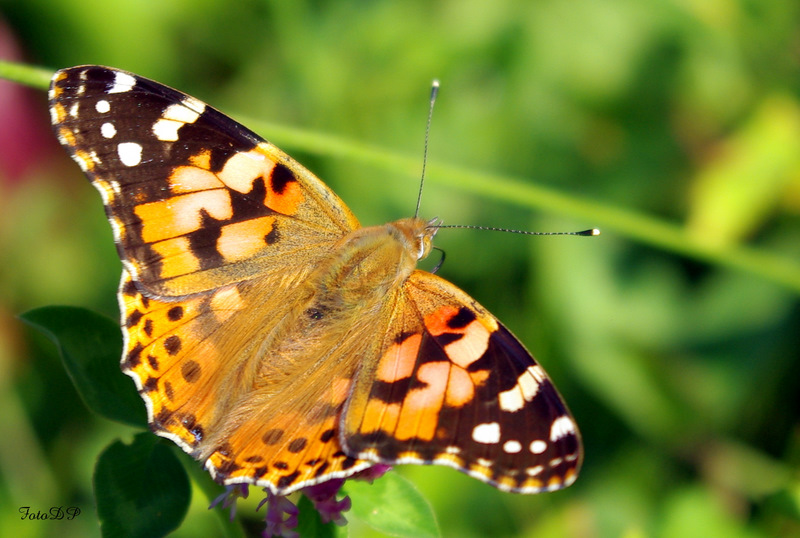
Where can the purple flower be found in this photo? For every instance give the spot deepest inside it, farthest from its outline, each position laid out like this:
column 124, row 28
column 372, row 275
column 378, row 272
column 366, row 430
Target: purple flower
column 228, row 498
column 281, row 516
column 323, row 496
column 278, row 508
column 371, row 474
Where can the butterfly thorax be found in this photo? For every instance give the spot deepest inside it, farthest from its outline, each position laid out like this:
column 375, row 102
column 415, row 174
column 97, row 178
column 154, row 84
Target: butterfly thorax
column 369, row 262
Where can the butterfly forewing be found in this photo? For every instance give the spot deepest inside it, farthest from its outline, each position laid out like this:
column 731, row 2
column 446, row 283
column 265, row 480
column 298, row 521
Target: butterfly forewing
column 273, row 338
column 196, row 200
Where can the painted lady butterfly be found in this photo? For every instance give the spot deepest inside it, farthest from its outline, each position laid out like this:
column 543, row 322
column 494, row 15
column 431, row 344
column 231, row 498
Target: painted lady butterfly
column 273, row 338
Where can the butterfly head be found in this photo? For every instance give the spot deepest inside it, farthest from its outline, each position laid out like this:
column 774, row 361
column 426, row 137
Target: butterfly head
column 416, row 236
column 425, row 237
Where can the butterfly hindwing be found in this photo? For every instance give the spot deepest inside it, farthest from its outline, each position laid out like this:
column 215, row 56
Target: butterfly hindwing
column 220, row 384
column 455, row 387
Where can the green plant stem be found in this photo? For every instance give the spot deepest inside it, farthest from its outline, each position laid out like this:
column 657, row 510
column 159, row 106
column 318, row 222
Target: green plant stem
column 35, row 77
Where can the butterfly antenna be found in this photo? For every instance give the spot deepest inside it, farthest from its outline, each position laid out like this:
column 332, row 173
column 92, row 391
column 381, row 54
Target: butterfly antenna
column 590, row 232
column 434, row 93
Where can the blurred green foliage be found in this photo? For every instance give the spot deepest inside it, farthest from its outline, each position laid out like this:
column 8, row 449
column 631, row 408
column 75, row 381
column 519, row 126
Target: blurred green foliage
column 674, row 125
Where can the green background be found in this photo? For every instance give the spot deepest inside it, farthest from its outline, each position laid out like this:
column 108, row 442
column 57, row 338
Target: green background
column 672, row 125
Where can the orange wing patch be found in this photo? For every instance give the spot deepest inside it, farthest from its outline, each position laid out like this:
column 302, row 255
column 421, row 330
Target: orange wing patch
column 399, row 359
column 181, row 215
column 417, row 383
column 236, row 243
column 474, row 335
column 283, row 193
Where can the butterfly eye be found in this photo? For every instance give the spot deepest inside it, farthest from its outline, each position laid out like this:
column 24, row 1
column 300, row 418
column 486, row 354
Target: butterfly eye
column 425, row 243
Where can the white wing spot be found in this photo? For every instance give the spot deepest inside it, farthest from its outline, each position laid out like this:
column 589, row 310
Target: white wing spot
column 73, row 110
column 123, row 82
column 108, row 130
column 538, row 446
column 254, row 156
column 533, row 471
column 186, row 112
column 102, row 106
column 452, row 450
column 487, row 433
column 484, row 462
column 194, row 104
column 167, row 130
column 130, row 153
column 175, row 117
column 512, row 447
column 511, row 400
column 526, row 389
column 530, row 381
column 561, row 427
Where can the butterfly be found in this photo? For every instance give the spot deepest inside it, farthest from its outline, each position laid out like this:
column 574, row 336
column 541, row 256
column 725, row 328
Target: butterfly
column 271, row 336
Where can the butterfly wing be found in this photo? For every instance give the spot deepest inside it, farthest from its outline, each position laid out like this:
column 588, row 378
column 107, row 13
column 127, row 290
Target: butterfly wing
column 251, row 415
column 452, row 386
column 195, row 199
column 217, row 230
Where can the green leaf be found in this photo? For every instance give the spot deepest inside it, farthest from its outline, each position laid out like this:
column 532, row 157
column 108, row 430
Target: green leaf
column 309, row 522
column 392, row 505
column 141, row 489
column 90, row 347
